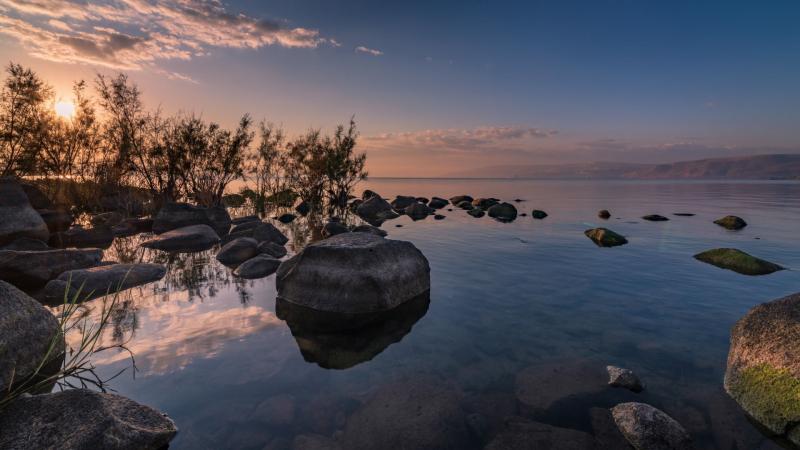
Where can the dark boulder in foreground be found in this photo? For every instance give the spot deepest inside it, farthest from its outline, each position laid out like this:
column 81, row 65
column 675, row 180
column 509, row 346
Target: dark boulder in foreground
column 655, row 218
column 737, row 261
column 538, row 214
column 418, row 211
column 649, row 428
column 35, row 268
column 272, row 249
column 79, row 237
column 29, row 336
column 604, row 214
column 523, row 434
column 238, row 251
column 19, row 219
column 438, row 203
column 624, row 378
column 731, row 222
column 259, row 266
column 366, row 228
column 179, row 215
column 245, row 226
column 763, row 373
column 461, row 198
column 189, row 239
column 604, row 237
column 354, row 273
column 98, row 281
column 83, row 419
column 421, row 414
column 504, row 212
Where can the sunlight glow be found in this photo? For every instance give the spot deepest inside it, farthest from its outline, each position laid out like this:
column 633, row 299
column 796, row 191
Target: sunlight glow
column 65, row 109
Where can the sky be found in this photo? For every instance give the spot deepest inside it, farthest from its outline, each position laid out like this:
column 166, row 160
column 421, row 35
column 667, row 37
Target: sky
column 438, row 87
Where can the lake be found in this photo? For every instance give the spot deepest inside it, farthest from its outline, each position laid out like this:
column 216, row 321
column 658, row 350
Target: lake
column 509, row 304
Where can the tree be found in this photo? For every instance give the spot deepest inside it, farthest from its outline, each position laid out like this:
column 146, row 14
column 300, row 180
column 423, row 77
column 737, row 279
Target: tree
column 161, row 160
column 22, row 120
column 343, row 168
column 305, row 167
column 266, row 163
column 125, row 118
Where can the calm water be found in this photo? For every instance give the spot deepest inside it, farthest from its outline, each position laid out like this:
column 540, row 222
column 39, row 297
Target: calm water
column 505, row 296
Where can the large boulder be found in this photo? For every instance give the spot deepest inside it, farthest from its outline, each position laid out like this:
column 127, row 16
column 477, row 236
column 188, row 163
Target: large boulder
column 604, row 237
column 731, row 222
column 191, row 238
column 238, row 251
column 504, row 212
column 401, row 202
column 465, row 205
column 354, row 273
column 763, row 373
column 649, row 428
column 19, row 219
column 246, row 226
column 79, row 237
column 35, row 268
column 737, row 261
column 178, row 215
column 421, row 414
column 98, row 281
column 259, row 266
column 83, row 419
column 523, row 434
column 30, row 335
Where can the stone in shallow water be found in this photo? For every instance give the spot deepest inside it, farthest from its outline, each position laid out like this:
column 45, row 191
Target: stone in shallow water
column 267, row 232
column 438, row 203
column 82, row 419
column 655, row 218
column 98, row 281
column 259, row 266
column 272, row 249
column 334, row 228
column 649, row 428
column 604, row 237
column 35, row 268
column 418, row 211
column 476, row 212
column 737, row 261
column 79, row 237
column 238, row 251
column 504, row 212
column 523, row 434
column 731, row 222
column 401, row 202
column 19, row 219
column 620, row 377
column 540, row 386
column 354, row 273
column 538, row 214
column 192, row 238
column 461, row 198
column 603, row 214
column 763, row 372
column 179, row 215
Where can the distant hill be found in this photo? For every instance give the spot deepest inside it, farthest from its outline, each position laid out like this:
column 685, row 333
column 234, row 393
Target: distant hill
column 759, row 167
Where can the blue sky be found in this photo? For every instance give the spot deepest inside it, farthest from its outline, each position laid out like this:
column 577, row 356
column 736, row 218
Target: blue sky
column 441, row 86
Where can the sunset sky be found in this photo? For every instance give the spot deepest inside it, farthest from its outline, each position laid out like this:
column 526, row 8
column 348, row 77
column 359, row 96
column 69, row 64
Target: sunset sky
column 441, row 86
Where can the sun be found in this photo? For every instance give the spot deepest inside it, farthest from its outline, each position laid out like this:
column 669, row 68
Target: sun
column 65, row 109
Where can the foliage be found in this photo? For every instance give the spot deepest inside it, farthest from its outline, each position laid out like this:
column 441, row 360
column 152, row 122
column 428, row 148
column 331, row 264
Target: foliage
column 22, row 120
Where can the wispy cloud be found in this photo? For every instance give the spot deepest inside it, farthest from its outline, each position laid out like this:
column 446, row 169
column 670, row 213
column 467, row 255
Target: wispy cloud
column 135, row 34
column 369, row 51
column 456, row 139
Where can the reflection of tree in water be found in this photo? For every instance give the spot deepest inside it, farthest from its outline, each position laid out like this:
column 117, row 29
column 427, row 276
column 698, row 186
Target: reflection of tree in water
column 127, row 250
column 196, row 273
column 307, row 229
column 124, row 317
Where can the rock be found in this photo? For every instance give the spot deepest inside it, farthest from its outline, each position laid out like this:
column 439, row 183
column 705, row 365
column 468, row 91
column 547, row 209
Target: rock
column 485, row 203
column 418, row 211
column 98, row 281
column 366, row 228
column 439, row 217
column 538, row 214
column 180, row 215
column 604, row 237
column 353, row 205
column 246, row 226
column 375, row 209
column 540, row 386
column 27, row 244
column 36, row 197
column 354, row 273
column 267, row 232
column 79, row 237
column 461, row 198
column 523, row 434
column 420, row 414
column 278, row 410
column 655, row 218
column 302, row 207
column 334, row 228
column 605, row 431
column 518, row 200
column 108, row 219
column 401, row 202
column 738, row 261
column 368, row 194
column 83, row 419
column 648, row 428
column 731, row 222
column 272, row 249
column 465, row 205
column 56, row 219
column 244, row 219
column 604, row 214
column 438, row 203
column 286, row 218
column 619, row 377
column 238, row 251
column 35, row 268
column 19, row 219
column 192, row 238
column 476, row 212
column 423, row 200
column 683, row 214
column 259, row 266
column 504, row 212
column 399, row 225
column 763, row 372
column 132, row 226
column 29, row 335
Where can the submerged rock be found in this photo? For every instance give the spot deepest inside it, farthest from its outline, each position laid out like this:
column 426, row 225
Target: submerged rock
column 620, row 377
column 334, row 228
column 655, row 218
column 30, row 335
column 649, row 428
column 19, row 219
column 190, row 239
column 604, row 214
column 731, row 222
column 737, row 261
column 461, row 198
column 354, row 273
column 35, row 268
column 438, row 203
column 83, row 419
column 179, row 215
column 259, row 266
column 418, row 211
column 604, row 237
column 538, row 214
column 763, row 372
column 523, row 434
column 79, row 237
column 238, row 251
column 540, row 386
column 370, row 229
column 98, row 281
column 504, row 212
column 272, row 249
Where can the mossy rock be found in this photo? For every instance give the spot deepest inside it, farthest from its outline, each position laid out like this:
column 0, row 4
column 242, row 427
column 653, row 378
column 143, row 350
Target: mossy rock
column 731, row 222
column 763, row 371
column 737, row 261
column 604, row 237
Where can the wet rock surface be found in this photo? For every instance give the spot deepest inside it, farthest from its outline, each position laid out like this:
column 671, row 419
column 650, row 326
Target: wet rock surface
column 259, row 266
column 731, row 223
column 737, row 261
column 604, row 237
column 98, row 281
column 272, row 249
column 649, row 428
column 238, row 251
column 418, row 211
column 538, row 214
column 624, row 378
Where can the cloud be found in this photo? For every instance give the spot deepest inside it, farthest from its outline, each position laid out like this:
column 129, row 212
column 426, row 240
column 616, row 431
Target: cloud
column 137, row 34
column 369, row 51
column 454, row 139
